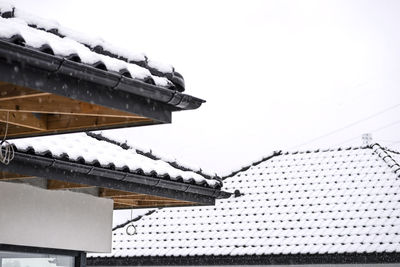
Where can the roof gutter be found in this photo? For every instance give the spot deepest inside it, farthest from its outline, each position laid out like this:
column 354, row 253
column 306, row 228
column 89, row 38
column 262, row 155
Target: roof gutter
column 58, row 65
column 320, row 259
column 50, row 168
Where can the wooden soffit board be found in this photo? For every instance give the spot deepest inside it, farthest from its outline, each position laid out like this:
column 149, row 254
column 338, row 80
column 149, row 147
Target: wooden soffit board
column 122, row 199
column 30, row 112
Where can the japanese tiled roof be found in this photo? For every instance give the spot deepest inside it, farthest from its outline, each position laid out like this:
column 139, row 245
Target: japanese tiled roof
column 24, row 29
column 308, row 202
column 96, row 150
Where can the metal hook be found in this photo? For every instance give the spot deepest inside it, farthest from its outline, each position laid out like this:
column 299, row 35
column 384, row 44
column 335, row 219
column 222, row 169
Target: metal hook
column 128, row 231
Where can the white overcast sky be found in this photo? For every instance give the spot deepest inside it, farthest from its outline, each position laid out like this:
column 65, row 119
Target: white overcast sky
column 275, row 74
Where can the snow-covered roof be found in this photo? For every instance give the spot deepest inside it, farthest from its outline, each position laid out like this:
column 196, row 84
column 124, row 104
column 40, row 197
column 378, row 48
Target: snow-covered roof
column 49, row 36
column 155, row 155
column 297, row 203
column 82, row 148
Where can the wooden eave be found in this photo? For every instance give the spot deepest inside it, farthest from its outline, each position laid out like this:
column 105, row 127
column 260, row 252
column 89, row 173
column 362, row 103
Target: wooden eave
column 44, row 94
column 128, row 190
column 122, row 199
column 31, row 112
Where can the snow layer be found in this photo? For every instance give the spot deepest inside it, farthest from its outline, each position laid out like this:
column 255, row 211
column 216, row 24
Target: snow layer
column 162, row 67
column 65, row 47
column 35, row 31
column 83, row 38
column 160, row 155
column 32, row 19
column 81, row 146
column 332, row 201
column 6, row 7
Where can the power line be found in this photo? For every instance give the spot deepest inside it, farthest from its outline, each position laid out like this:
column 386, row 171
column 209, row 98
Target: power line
column 373, row 131
column 388, row 141
column 347, row 126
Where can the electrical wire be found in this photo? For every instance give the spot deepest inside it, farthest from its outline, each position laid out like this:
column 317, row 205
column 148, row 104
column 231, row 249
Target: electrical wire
column 131, row 226
column 347, row 126
column 388, row 141
column 6, row 149
column 373, row 131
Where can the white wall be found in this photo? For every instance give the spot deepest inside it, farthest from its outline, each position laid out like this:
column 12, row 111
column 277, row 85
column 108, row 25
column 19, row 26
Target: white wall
column 31, row 216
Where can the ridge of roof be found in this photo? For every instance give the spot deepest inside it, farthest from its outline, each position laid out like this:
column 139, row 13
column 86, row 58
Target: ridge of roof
column 245, row 168
column 281, row 153
column 158, row 71
column 387, row 158
column 150, row 154
column 135, row 219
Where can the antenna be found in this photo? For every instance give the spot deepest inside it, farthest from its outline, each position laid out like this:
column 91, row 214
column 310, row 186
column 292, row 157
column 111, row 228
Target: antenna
column 367, row 139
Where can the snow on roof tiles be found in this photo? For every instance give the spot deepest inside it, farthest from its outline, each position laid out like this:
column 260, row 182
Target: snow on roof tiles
column 108, row 136
column 83, row 148
column 49, row 36
column 317, row 202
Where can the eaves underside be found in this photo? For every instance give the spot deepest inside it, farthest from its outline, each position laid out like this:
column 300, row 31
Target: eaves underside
column 28, row 165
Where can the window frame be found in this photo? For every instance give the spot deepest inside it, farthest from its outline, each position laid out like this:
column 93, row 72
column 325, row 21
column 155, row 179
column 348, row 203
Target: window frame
column 79, row 256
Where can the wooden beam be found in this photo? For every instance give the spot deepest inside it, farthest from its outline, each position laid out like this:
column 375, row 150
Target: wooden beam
column 27, row 120
column 107, row 192
column 57, row 185
column 138, row 204
column 13, row 176
column 32, row 112
column 33, row 95
column 62, row 123
column 117, row 194
column 129, row 201
column 133, row 203
column 54, row 104
column 118, row 206
column 10, row 92
column 145, row 198
column 15, row 130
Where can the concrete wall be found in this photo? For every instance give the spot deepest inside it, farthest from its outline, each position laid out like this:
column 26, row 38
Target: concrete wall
column 31, row 216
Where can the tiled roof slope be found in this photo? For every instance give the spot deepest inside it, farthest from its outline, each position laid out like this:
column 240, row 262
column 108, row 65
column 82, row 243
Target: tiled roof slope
column 153, row 155
column 22, row 28
column 313, row 202
column 88, row 150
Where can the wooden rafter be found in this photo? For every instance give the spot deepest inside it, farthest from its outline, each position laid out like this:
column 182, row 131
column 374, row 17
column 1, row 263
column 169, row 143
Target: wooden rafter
column 27, row 120
column 56, row 185
column 138, row 204
column 136, row 201
column 122, row 199
column 109, row 193
column 61, row 123
column 13, row 176
column 31, row 112
column 54, row 104
column 12, row 92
